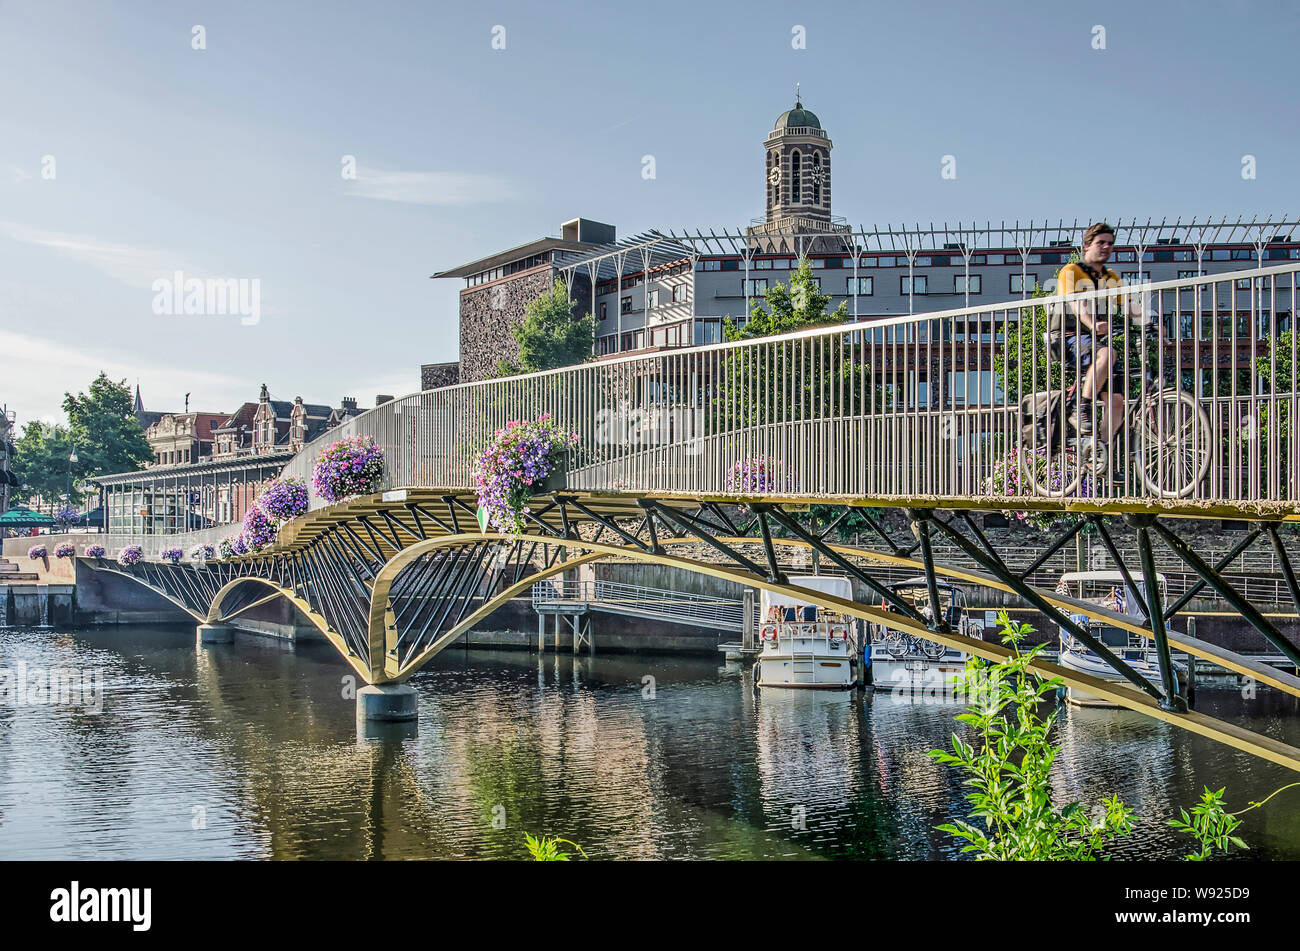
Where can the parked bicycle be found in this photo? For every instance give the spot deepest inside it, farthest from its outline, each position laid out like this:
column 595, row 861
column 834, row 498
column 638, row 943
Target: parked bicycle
column 1166, row 437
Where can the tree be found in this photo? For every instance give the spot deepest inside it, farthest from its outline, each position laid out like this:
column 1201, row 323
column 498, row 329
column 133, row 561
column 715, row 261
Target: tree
column 41, row 462
column 551, row 336
column 787, row 308
column 103, row 430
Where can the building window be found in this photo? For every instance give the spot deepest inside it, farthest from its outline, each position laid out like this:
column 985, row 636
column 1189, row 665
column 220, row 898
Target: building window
column 625, row 305
column 1125, row 256
column 817, row 177
column 864, row 286
column 652, row 299
column 604, row 309
column 710, row 265
column 796, row 179
column 679, row 293
column 754, row 287
column 1136, row 277
column 1022, row 283
column 962, row 284
column 1186, row 275
column 919, row 284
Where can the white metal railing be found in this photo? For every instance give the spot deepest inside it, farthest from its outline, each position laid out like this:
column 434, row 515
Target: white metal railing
column 868, row 409
column 618, row 597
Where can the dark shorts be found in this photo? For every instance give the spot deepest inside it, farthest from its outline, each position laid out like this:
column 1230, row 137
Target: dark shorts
column 1078, row 352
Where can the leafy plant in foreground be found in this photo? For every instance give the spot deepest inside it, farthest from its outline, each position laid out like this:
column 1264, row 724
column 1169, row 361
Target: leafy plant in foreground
column 546, row 848
column 1008, row 771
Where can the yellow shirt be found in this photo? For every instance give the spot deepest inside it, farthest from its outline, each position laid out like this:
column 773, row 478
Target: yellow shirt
column 1075, row 278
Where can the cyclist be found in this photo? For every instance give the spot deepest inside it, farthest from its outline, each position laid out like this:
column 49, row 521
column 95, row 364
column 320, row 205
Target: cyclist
column 1086, row 325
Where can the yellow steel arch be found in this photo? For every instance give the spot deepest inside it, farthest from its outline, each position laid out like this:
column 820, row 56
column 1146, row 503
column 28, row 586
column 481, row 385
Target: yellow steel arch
column 214, row 615
column 1227, row 733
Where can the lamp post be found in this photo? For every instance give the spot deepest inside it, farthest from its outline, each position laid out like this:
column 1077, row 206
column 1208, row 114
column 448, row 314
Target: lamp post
column 72, row 458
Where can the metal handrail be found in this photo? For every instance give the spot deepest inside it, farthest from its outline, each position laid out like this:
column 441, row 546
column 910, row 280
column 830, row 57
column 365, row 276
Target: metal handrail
column 658, row 602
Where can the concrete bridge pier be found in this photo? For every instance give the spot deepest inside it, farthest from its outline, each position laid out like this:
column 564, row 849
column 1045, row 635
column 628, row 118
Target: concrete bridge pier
column 215, row 633
column 387, row 703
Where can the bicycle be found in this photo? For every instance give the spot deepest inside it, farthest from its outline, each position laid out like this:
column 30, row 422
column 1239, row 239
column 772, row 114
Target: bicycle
column 1170, row 442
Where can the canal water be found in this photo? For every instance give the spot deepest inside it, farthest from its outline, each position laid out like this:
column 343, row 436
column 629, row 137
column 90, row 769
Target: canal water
column 250, row 750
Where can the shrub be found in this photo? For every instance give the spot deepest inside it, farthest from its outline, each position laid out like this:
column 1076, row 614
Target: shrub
column 348, row 468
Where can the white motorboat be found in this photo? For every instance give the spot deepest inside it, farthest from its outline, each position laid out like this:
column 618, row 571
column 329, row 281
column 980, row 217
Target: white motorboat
column 905, row 662
column 802, row 644
column 1108, row 589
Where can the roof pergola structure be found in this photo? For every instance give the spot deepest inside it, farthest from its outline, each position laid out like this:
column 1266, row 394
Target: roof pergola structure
column 651, row 249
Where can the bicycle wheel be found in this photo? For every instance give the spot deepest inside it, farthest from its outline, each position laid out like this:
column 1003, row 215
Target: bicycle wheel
column 1053, row 476
column 1174, row 444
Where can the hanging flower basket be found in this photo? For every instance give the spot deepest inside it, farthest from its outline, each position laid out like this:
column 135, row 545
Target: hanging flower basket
column 226, row 547
column 95, row 551
column 239, row 546
column 1008, row 479
column 284, row 499
column 37, row 553
column 174, row 555
column 65, row 550
column 203, row 553
column 259, row 531
column 67, row 515
column 348, row 468
column 130, row 556
column 522, row 460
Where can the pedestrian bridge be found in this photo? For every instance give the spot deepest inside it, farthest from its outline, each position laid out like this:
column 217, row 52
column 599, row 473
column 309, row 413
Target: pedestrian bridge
column 728, row 460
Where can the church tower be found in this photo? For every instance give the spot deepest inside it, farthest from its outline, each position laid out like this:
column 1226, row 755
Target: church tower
column 797, row 183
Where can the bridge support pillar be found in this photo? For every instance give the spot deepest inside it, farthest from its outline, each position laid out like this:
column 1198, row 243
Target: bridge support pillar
column 390, row 702
column 215, row 633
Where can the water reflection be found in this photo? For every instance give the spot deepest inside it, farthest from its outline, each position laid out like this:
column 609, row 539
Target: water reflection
column 252, row 750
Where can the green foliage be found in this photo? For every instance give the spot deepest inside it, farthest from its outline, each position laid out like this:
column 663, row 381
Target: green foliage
column 784, row 309
column 854, row 523
column 101, row 427
column 1022, row 366
column 822, row 389
column 551, row 336
column 547, row 848
column 1211, row 825
column 1279, row 379
column 1008, row 771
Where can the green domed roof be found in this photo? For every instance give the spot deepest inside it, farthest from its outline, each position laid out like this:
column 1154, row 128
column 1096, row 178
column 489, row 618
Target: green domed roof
column 798, row 116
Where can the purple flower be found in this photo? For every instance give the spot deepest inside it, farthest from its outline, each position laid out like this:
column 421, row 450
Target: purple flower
column 130, row 555
column 36, row 552
column 174, row 555
column 65, row 550
column 347, row 468
column 259, row 531
column 95, row 551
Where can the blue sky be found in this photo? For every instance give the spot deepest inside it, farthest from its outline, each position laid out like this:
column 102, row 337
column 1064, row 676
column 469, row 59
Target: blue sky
column 226, row 162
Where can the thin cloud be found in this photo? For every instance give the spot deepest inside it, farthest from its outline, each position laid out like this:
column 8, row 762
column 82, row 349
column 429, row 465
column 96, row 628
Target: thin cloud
column 36, row 362
column 127, row 264
column 429, row 188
